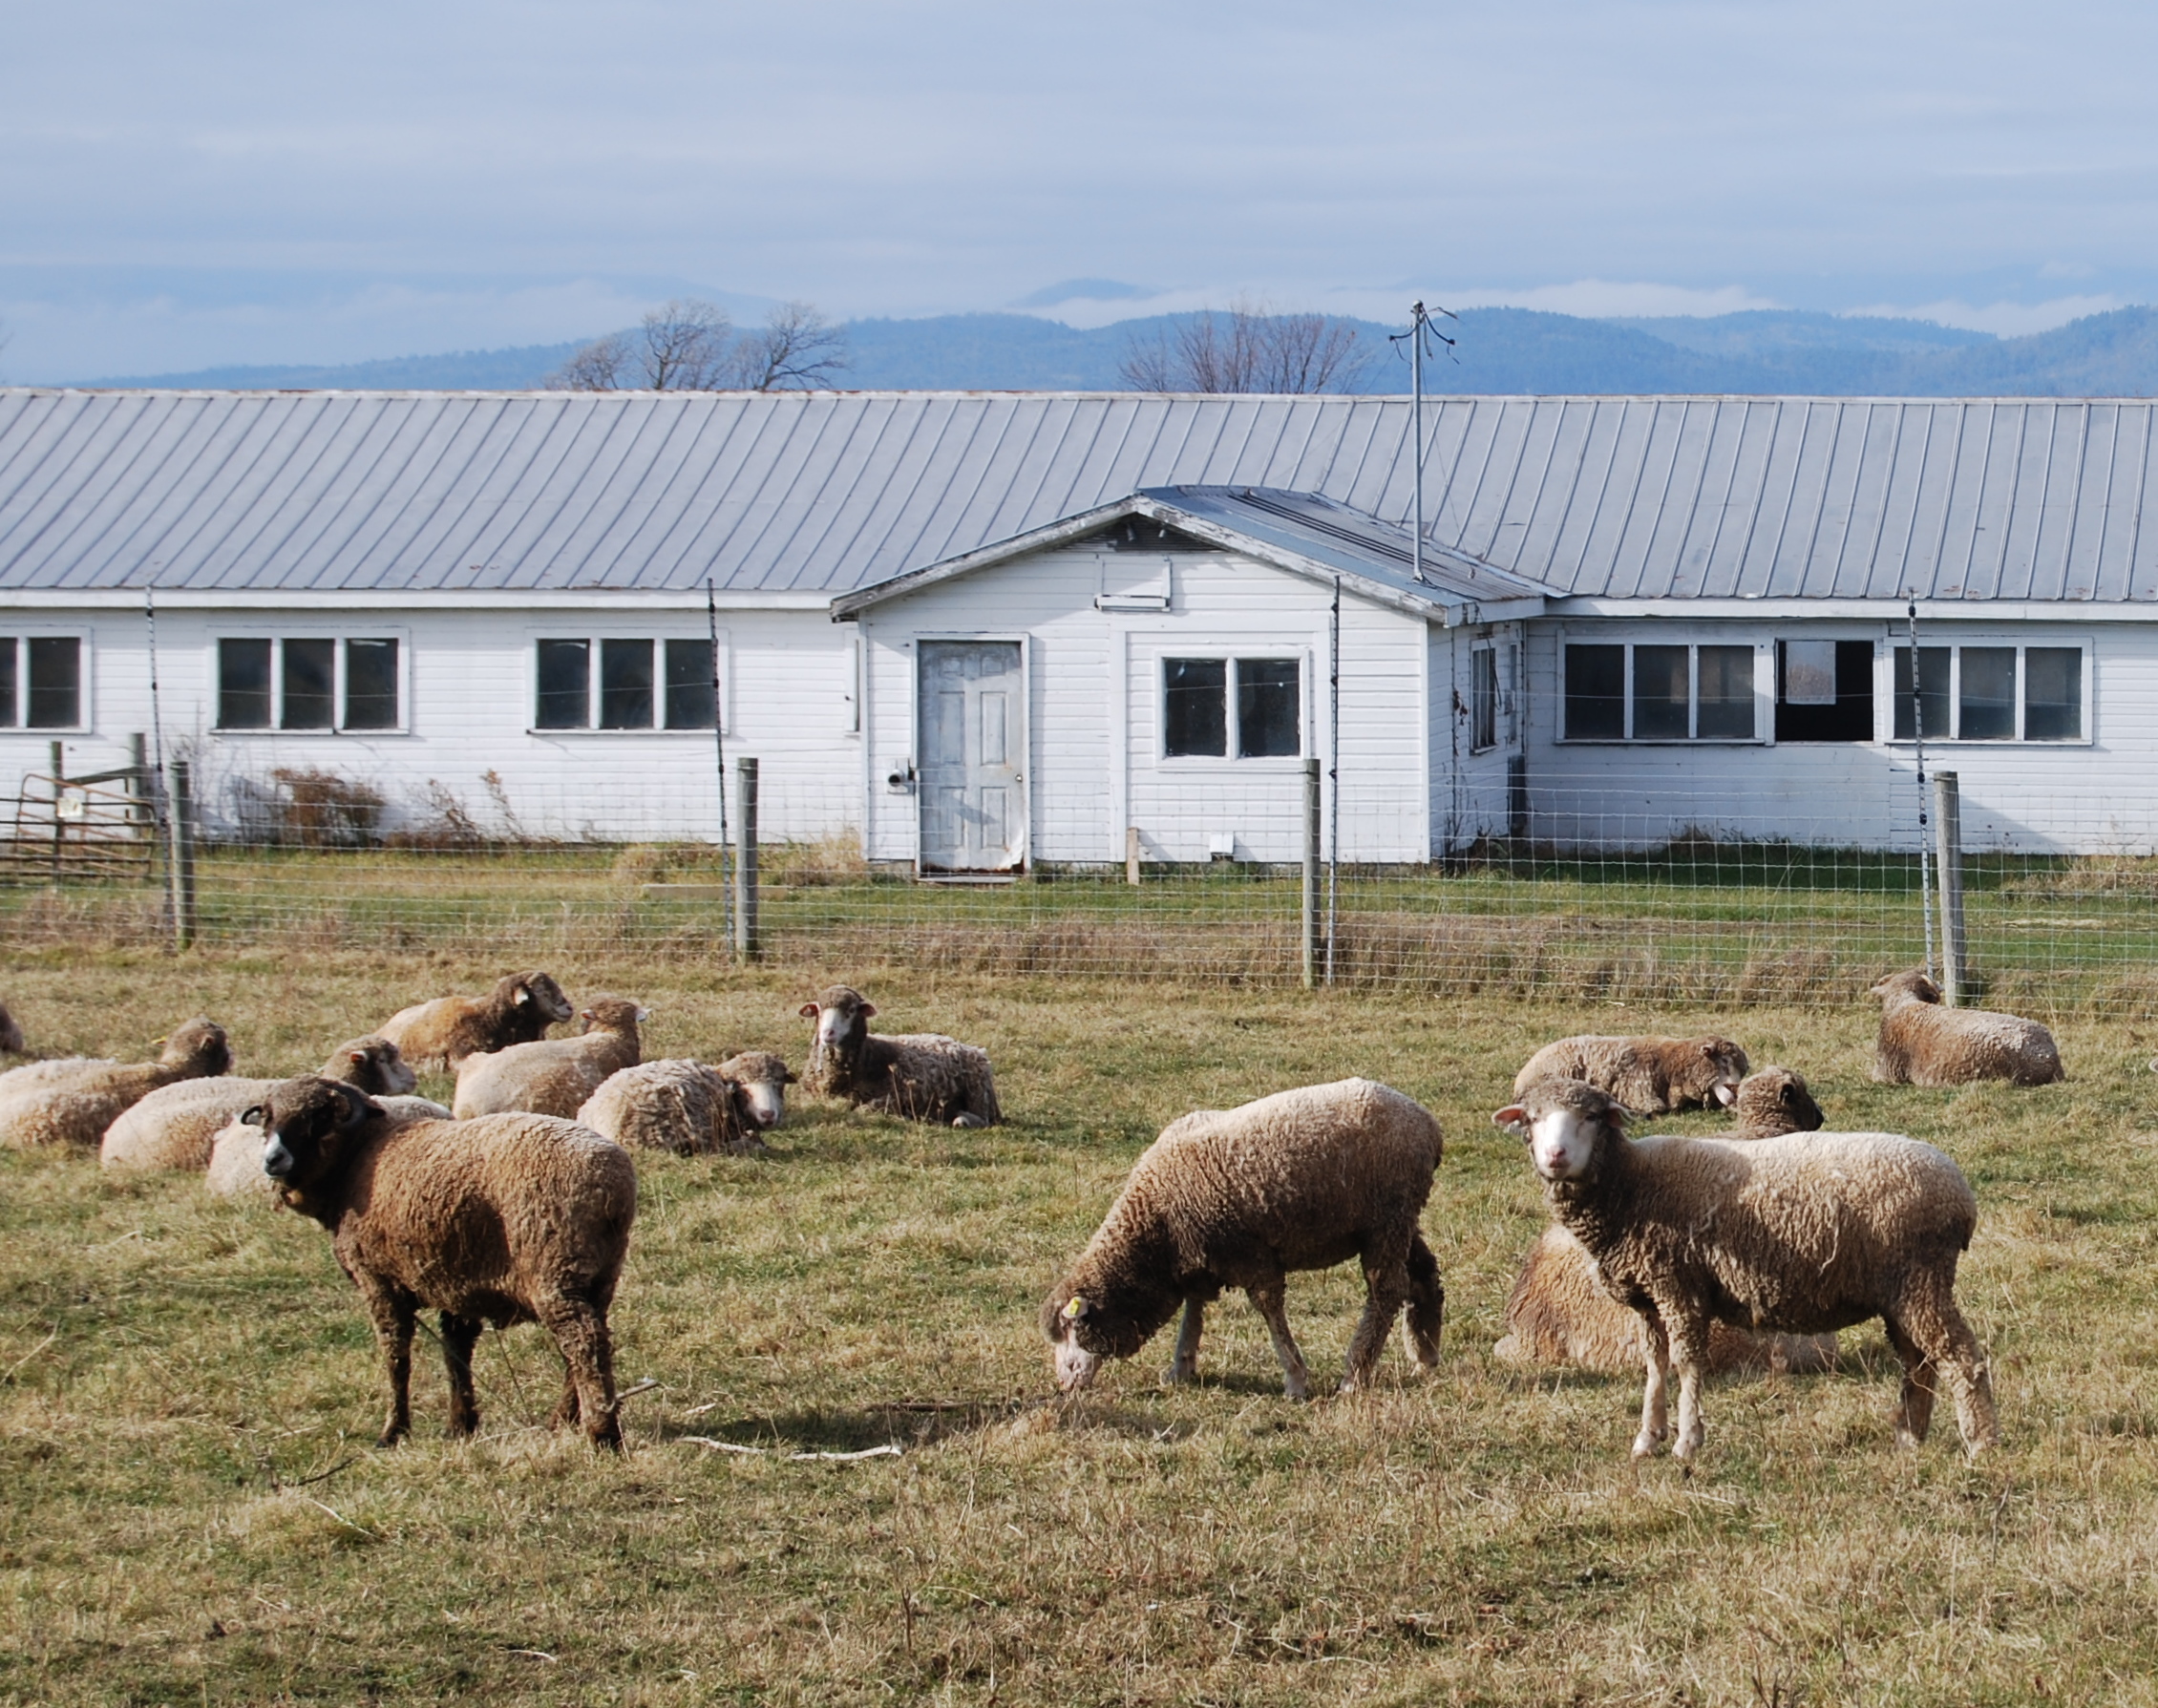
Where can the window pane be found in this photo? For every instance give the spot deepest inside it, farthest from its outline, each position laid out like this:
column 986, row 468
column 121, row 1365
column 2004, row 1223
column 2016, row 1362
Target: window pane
column 566, row 679
column 307, row 683
column 7, row 709
column 1660, row 694
column 1195, row 708
column 625, row 685
column 2053, row 693
column 1847, row 714
column 1727, row 694
column 1268, row 725
column 371, row 684
column 1809, row 672
column 55, row 681
column 1483, row 700
column 1932, row 692
column 688, row 684
column 1988, row 695
column 243, row 685
column 1596, row 693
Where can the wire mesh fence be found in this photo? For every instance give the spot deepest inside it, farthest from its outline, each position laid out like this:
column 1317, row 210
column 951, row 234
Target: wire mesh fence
column 1591, row 900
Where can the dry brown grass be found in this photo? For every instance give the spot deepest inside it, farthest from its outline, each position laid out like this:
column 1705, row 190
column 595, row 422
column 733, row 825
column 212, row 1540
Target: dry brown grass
column 187, row 1388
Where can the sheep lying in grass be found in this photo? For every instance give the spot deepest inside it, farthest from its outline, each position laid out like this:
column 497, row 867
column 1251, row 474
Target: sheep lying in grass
column 682, row 1107
column 176, row 1126
column 1558, row 1312
column 763, row 1079
column 442, row 1033
column 1922, row 1043
column 1806, row 1234
column 504, row 1219
column 555, row 1075
column 1651, row 1076
column 73, row 1103
column 923, row 1076
column 1304, row 1179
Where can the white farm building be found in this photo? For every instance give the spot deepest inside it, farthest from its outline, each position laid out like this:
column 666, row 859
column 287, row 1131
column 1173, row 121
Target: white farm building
column 984, row 631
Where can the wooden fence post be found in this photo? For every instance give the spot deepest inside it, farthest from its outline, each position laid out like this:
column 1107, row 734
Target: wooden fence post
column 746, row 943
column 183, row 864
column 1131, row 853
column 1948, row 847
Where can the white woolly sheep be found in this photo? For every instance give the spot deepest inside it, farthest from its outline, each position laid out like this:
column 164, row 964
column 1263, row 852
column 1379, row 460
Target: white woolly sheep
column 922, row 1076
column 682, row 1107
column 176, row 1126
column 555, row 1075
column 763, row 1078
column 1303, row 1179
column 73, row 1103
column 505, row 1219
column 1922, row 1043
column 1806, row 1234
column 1651, row 1076
column 442, row 1033
column 234, row 1169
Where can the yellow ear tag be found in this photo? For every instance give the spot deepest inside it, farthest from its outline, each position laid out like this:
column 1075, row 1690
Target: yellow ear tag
column 1076, row 1307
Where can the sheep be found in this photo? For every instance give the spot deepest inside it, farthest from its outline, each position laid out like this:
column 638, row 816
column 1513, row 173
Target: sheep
column 1805, row 1233
column 10, row 1033
column 555, row 1075
column 176, row 1126
column 73, row 1103
column 1651, row 1076
column 1559, row 1313
column 1303, row 1179
column 505, row 1219
column 234, row 1169
column 923, row 1076
column 763, row 1079
column 442, row 1033
column 1922, row 1043
column 682, row 1106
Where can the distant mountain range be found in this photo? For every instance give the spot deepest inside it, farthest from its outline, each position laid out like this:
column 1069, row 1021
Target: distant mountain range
column 1500, row 351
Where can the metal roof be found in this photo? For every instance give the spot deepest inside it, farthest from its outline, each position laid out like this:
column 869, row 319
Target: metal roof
column 825, row 493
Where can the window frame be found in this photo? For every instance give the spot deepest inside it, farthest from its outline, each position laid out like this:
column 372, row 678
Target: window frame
column 596, row 640
column 1885, row 703
column 1231, row 732
column 1481, row 650
column 1764, row 653
column 22, row 634
column 339, row 637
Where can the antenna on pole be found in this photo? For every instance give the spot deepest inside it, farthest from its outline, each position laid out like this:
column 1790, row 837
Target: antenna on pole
column 1420, row 327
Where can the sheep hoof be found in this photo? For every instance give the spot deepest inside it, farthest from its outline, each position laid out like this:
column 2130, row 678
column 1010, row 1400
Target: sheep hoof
column 390, row 1438
column 1645, row 1445
column 968, row 1118
column 1296, row 1388
column 1179, row 1374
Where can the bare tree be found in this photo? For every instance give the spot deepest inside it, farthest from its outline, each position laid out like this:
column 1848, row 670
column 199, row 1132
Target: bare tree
column 798, row 351
column 598, row 367
column 689, row 344
column 685, row 343
column 1245, row 350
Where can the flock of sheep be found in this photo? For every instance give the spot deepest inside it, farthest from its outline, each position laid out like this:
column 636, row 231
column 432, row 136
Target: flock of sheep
column 514, row 1204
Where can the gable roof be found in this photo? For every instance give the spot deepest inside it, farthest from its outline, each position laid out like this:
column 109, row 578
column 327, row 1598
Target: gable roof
column 816, row 494
column 1306, row 533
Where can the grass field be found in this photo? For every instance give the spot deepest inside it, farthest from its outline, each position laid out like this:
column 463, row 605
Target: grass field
column 190, row 1510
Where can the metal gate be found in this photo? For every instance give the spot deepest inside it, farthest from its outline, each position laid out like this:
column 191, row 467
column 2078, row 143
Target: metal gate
column 973, row 747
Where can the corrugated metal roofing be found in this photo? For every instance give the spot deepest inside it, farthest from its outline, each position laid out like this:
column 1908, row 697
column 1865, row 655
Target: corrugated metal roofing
column 1617, row 498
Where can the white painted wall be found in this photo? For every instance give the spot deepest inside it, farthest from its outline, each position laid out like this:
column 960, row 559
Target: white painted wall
column 1468, row 789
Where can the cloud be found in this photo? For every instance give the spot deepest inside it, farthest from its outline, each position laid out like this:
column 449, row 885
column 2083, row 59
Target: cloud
column 1603, row 299
column 2004, row 320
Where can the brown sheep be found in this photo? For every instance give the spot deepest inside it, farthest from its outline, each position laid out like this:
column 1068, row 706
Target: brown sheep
column 1922, row 1043
column 234, row 1169
column 922, row 1076
column 73, row 1103
column 442, row 1033
column 682, row 1107
column 1303, row 1179
column 1651, row 1076
column 176, row 1126
column 763, row 1079
column 11, row 1034
column 506, row 1219
column 555, row 1075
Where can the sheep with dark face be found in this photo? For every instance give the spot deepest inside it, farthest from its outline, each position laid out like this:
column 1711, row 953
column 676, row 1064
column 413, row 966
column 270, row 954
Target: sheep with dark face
column 1651, row 1076
column 499, row 1220
column 555, row 1075
column 73, row 1103
column 763, row 1079
column 1922, row 1043
column 442, row 1033
column 923, row 1076
column 1806, row 1234
column 1303, row 1179
column 234, row 1169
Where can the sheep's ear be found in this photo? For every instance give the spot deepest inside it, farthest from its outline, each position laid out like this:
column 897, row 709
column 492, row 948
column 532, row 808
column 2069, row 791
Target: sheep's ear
column 809, row 1010
column 358, row 1058
column 251, row 1116
column 1726, row 1096
column 1512, row 1119
column 643, row 1015
column 788, row 1077
column 1076, row 1309
column 868, row 1009
column 358, row 1107
column 523, row 997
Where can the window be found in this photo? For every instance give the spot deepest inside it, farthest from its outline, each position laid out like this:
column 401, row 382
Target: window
column 41, row 681
column 1991, row 692
column 1196, row 706
column 1666, row 692
column 1483, row 699
column 640, row 683
column 307, row 683
column 1825, row 690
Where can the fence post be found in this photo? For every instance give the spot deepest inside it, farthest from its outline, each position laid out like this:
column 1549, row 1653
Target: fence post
column 1131, row 853
column 183, row 864
column 746, row 944
column 59, row 828
column 1948, row 847
column 1311, row 822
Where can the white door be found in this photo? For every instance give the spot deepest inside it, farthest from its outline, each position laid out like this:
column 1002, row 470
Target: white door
column 973, row 747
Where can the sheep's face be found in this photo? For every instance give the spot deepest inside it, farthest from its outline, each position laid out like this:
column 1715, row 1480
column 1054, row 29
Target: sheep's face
column 1776, row 1101
column 1913, row 985
column 614, row 1014
column 1716, row 1071
column 541, row 994
column 761, row 1081
column 200, row 1045
column 1564, row 1124
column 306, row 1123
column 376, row 1066
column 842, row 1020
column 1082, row 1331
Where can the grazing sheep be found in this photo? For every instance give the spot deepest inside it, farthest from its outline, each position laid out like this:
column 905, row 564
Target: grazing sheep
column 1559, row 1313
column 1651, row 1076
column 442, row 1033
column 176, row 1126
column 1303, row 1179
column 1806, row 1234
column 682, row 1106
column 11, row 1034
column 1922, row 1043
column 555, row 1075
column 763, row 1079
column 234, row 1168
column 505, row 1219
column 73, row 1103
column 923, row 1076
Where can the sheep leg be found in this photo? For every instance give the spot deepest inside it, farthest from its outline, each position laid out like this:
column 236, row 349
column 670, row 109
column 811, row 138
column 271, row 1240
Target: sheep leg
column 1386, row 1289
column 1270, row 1298
column 580, row 1334
column 1186, row 1368
column 1914, row 1414
column 1426, row 1304
column 459, row 1335
column 1689, row 1351
column 1952, row 1352
column 395, row 1319
column 1654, row 1419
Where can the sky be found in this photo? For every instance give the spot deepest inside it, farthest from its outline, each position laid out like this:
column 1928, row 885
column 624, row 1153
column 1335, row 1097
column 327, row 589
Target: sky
column 239, row 181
